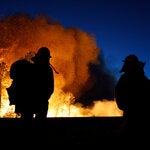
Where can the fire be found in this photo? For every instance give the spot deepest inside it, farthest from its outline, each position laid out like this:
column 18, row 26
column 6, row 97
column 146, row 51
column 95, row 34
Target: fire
column 62, row 105
column 71, row 49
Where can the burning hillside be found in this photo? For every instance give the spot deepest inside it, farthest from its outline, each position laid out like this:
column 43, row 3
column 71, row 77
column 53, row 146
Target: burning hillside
column 83, row 86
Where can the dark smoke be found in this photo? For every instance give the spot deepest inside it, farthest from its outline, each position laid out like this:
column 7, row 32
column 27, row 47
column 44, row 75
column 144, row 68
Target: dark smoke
column 100, row 84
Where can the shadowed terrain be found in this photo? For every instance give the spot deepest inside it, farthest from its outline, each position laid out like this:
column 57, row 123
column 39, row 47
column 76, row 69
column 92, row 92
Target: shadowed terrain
column 76, row 130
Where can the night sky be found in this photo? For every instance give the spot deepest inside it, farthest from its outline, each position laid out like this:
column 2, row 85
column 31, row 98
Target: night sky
column 121, row 27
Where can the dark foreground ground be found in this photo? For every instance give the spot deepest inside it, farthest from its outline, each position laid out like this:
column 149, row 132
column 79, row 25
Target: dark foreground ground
column 76, row 130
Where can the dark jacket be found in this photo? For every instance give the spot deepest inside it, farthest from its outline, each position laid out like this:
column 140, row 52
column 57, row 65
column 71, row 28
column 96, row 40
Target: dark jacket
column 21, row 74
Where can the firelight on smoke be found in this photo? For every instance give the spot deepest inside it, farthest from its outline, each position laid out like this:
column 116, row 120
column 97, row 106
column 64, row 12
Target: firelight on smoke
column 72, row 50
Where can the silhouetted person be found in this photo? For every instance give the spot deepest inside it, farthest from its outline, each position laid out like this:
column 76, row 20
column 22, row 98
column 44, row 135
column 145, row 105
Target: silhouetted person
column 32, row 85
column 132, row 93
column 21, row 88
column 43, row 82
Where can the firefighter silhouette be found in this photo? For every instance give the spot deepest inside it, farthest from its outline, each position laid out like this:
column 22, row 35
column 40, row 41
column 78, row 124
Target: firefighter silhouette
column 20, row 91
column 132, row 91
column 43, row 82
column 32, row 86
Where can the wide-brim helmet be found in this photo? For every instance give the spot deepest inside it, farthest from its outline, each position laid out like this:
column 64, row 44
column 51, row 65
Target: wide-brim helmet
column 42, row 53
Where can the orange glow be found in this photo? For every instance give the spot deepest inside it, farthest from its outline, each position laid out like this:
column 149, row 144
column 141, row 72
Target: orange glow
column 71, row 49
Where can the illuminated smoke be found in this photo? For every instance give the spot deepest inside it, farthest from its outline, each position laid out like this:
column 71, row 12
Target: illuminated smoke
column 75, row 55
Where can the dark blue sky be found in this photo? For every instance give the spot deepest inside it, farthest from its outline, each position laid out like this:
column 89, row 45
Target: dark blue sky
column 121, row 27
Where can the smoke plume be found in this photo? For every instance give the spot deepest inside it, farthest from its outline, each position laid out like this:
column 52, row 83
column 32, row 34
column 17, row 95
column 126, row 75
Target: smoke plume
column 75, row 55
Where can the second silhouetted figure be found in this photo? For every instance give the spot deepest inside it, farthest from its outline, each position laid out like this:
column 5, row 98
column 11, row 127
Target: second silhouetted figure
column 132, row 92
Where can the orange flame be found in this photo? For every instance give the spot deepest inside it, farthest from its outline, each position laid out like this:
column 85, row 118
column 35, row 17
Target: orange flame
column 71, row 49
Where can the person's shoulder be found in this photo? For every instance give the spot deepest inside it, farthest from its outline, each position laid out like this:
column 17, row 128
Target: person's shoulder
column 123, row 76
column 16, row 63
column 21, row 63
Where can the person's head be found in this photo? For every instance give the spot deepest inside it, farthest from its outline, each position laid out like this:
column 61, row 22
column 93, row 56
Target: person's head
column 132, row 63
column 42, row 55
column 131, row 59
